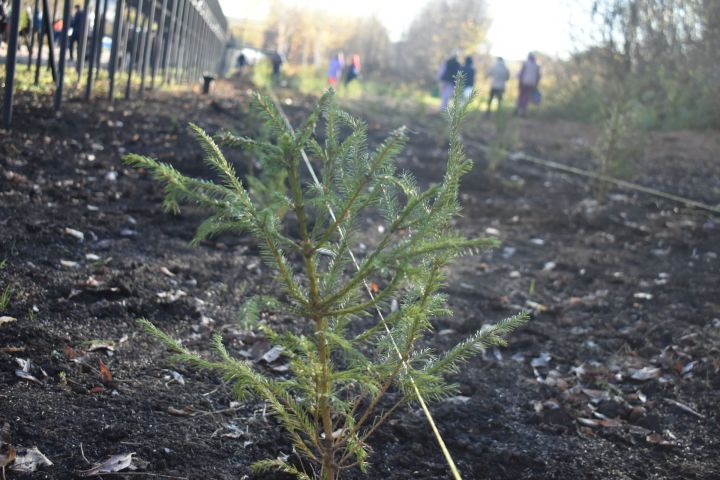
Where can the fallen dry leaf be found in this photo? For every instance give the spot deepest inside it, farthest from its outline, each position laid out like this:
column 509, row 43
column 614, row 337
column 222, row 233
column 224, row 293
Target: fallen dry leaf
column 9, row 457
column 178, row 412
column 113, row 464
column 645, row 373
column 29, row 460
column 272, row 354
column 101, row 346
column 27, row 376
column 684, row 408
column 69, row 353
column 165, row 271
column 105, row 372
column 7, row 319
column 657, row 439
column 74, row 233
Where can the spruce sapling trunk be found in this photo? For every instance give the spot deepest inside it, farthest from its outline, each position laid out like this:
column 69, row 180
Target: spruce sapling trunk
column 357, row 360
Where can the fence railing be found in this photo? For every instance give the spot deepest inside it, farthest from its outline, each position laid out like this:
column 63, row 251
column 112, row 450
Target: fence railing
column 151, row 42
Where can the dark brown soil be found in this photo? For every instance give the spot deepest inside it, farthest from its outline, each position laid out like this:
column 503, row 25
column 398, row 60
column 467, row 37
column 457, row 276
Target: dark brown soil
column 616, row 376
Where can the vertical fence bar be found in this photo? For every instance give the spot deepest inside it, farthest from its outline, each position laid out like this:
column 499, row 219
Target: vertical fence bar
column 10, row 62
column 47, row 29
column 170, row 41
column 117, row 25
column 125, row 40
column 63, row 55
column 38, row 60
column 101, row 36
column 182, row 41
column 135, row 45
column 189, row 48
column 179, row 40
column 159, row 44
column 141, row 45
column 33, row 34
column 200, row 50
column 148, row 49
column 82, row 46
column 93, row 49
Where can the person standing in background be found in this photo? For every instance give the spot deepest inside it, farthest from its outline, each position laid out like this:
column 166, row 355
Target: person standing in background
column 335, row 69
column 499, row 75
column 529, row 79
column 353, row 69
column 276, row 60
column 447, row 75
column 78, row 25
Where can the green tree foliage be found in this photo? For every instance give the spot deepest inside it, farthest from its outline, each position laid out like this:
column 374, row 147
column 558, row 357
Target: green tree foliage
column 358, row 358
column 441, row 28
column 663, row 53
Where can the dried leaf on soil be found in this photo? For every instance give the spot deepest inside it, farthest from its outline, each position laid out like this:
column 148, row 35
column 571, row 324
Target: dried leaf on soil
column 27, row 376
column 69, row 353
column 113, row 464
column 105, row 372
column 7, row 458
column 6, row 319
column 272, row 354
column 644, row 374
column 684, row 408
column 74, row 233
column 29, row 460
column 179, row 412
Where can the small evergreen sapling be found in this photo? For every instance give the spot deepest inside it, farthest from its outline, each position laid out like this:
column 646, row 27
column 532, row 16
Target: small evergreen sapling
column 352, row 368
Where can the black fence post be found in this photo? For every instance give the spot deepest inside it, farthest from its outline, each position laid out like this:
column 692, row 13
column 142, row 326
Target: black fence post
column 135, row 44
column 117, row 26
column 10, row 62
column 172, row 33
column 159, row 44
column 63, row 55
column 182, row 42
column 98, row 51
column 33, row 34
column 82, row 46
column 147, row 49
column 93, row 48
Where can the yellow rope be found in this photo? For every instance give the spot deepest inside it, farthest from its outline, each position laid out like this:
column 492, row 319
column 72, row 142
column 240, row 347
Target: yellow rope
column 423, row 405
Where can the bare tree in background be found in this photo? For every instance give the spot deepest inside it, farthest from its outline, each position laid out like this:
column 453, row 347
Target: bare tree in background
column 443, row 27
column 662, row 54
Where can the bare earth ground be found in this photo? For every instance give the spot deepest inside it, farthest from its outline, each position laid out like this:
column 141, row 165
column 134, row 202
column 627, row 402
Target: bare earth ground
column 616, row 376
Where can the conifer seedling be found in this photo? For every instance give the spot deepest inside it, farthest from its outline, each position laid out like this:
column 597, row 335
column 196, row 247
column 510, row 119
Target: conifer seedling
column 359, row 357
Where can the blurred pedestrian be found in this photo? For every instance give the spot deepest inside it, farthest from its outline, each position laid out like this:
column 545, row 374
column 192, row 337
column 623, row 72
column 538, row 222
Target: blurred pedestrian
column 529, row 79
column 57, row 27
column 240, row 64
column 499, row 75
column 353, row 69
column 276, row 60
column 468, row 71
column 335, row 69
column 78, row 27
column 447, row 75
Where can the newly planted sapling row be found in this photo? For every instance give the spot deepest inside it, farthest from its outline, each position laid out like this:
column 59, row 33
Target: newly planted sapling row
column 358, row 359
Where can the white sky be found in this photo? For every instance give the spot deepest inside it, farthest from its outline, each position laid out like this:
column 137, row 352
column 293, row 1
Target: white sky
column 518, row 26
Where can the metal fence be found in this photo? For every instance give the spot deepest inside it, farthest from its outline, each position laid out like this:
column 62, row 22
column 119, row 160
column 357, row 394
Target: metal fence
column 151, row 42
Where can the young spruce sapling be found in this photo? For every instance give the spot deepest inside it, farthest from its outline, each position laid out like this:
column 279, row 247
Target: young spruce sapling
column 360, row 357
